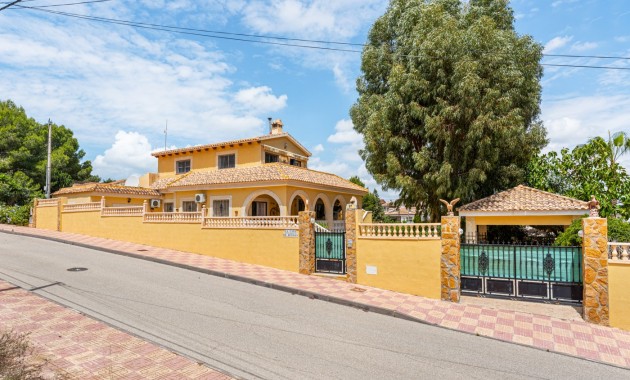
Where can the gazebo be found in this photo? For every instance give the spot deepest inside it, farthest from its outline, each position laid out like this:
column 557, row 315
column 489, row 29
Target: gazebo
column 522, row 205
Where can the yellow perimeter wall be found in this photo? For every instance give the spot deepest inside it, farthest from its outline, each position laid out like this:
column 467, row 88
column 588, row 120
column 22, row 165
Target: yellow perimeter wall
column 266, row 247
column 406, row 266
column 47, row 217
column 619, row 294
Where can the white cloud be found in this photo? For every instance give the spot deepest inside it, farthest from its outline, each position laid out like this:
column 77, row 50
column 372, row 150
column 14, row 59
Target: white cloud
column 584, row 46
column 345, row 133
column 339, row 21
column 318, row 148
column 97, row 79
column 573, row 121
column 559, row 3
column 129, row 154
column 556, row 43
column 257, row 100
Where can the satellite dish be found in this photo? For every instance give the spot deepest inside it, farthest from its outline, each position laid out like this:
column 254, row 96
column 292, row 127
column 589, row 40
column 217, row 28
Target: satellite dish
column 133, row 181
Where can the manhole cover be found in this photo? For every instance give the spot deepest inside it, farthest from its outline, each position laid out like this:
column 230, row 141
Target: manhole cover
column 360, row 290
column 77, row 269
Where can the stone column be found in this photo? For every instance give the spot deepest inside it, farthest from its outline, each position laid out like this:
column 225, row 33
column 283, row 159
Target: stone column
column 351, row 242
column 60, row 204
column 449, row 262
column 595, row 269
column 307, row 242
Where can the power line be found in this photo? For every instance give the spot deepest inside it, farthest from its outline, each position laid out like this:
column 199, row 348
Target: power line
column 62, row 5
column 224, row 36
column 10, row 4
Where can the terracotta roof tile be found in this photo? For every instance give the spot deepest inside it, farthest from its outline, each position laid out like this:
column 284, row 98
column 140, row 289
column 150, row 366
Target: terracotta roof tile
column 524, row 198
column 108, row 189
column 240, row 141
column 267, row 172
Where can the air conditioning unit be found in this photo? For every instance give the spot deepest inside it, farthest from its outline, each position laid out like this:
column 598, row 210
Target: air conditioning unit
column 155, row 203
column 200, row 198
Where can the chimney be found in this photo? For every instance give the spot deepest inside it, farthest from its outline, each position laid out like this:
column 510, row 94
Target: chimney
column 276, row 127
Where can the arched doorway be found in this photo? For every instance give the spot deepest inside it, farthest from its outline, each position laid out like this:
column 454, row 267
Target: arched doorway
column 297, row 202
column 320, row 210
column 263, row 203
column 337, row 210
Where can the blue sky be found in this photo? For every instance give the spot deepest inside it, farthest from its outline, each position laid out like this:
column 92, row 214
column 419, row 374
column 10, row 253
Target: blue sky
column 115, row 86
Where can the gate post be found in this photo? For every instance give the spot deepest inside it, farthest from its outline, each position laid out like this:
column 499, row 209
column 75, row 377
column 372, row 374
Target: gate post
column 449, row 261
column 351, row 243
column 307, row 242
column 595, row 269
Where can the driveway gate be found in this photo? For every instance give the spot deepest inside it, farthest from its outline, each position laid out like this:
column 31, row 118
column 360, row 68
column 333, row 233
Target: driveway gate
column 536, row 272
column 330, row 252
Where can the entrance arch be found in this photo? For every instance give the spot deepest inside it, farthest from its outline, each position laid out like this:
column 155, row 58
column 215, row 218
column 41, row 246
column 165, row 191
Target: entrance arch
column 298, row 202
column 273, row 207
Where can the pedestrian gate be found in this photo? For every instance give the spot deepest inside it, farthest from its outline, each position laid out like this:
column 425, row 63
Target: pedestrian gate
column 535, row 272
column 330, row 252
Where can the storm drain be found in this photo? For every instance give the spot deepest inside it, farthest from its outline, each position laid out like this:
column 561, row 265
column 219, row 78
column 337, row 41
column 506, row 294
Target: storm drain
column 76, row 269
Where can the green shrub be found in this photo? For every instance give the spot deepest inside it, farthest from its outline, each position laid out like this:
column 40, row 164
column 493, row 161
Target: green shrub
column 17, row 215
column 618, row 230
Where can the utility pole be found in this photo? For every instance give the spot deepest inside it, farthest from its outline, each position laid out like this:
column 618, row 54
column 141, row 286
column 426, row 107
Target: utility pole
column 165, row 134
column 49, row 164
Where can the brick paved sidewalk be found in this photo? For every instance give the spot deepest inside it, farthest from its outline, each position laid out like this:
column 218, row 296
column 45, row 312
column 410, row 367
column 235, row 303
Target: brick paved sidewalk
column 575, row 338
column 83, row 348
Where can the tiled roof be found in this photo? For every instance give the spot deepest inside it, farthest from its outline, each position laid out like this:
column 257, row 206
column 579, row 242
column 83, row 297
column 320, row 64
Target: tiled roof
column 402, row 210
column 107, row 188
column 267, row 172
column 233, row 142
column 523, row 198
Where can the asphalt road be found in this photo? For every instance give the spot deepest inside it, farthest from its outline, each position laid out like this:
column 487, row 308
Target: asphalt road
column 250, row 331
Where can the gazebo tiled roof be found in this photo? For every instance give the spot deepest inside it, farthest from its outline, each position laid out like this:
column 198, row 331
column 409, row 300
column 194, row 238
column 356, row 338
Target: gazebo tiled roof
column 105, row 188
column 524, row 198
column 277, row 172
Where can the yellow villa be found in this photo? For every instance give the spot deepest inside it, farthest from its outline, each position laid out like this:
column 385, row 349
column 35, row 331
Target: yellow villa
column 255, row 177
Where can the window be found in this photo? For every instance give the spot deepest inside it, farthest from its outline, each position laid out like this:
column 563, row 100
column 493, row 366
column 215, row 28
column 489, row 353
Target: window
column 259, row 208
column 295, row 162
column 168, row 207
column 182, row 166
column 269, row 158
column 221, row 207
column 227, row 161
column 189, row 206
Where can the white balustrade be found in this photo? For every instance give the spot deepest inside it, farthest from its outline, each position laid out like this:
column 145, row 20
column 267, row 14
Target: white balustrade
column 339, row 226
column 254, row 222
column 48, row 202
column 320, row 228
column 172, row 217
column 78, row 207
column 399, row 230
column 122, row 211
column 619, row 251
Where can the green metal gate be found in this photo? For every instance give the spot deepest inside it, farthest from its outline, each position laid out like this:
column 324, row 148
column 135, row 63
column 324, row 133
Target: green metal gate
column 540, row 272
column 330, row 252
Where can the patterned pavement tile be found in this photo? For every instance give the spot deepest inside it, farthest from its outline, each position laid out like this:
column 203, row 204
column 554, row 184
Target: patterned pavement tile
column 573, row 337
column 84, row 348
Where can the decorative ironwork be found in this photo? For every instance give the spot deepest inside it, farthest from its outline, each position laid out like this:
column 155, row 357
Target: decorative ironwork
column 535, row 272
column 483, row 263
column 329, row 246
column 330, row 252
column 549, row 264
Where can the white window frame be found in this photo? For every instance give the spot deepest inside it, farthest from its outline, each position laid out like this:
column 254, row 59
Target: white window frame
column 169, row 203
column 227, row 153
column 220, row 198
column 186, row 158
column 181, row 204
column 267, row 210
